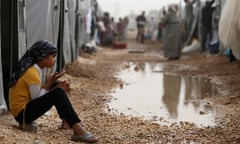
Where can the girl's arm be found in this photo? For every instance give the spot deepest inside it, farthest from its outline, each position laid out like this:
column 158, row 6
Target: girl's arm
column 50, row 81
column 36, row 91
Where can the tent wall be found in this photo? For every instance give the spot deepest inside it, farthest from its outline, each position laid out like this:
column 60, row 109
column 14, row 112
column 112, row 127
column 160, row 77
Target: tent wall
column 67, row 54
column 3, row 106
column 82, row 37
column 72, row 19
column 21, row 27
column 54, row 17
column 39, row 22
column 9, row 40
column 63, row 22
column 42, row 22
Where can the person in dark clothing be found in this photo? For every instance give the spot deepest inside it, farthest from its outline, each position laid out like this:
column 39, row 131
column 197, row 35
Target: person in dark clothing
column 141, row 22
column 206, row 21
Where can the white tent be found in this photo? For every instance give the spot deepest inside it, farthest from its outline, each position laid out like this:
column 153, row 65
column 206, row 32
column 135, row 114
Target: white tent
column 83, row 7
column 42, row 20
column 72, row 23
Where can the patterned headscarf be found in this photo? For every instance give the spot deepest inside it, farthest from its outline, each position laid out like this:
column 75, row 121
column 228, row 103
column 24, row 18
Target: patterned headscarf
column 36, row 52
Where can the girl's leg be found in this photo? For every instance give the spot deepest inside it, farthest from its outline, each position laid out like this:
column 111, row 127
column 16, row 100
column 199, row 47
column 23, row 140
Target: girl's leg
column 39, row 106
column 57, row 97
column 64, row 124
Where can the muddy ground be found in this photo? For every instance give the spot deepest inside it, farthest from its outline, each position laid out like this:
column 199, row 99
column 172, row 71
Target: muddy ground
column 93, row 79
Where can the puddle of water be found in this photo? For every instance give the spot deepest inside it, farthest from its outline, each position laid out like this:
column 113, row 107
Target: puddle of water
column 148, row 92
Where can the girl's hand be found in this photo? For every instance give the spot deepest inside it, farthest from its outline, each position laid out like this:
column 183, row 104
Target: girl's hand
column 57, row 75
column 64, row 85
column 54, row 77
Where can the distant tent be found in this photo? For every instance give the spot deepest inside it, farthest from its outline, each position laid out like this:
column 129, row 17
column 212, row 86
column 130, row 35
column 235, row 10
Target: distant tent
column 83, row 7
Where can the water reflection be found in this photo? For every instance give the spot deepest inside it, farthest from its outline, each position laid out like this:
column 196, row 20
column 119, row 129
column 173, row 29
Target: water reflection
column 171, row 92
column 148, row 92
column 185, row 100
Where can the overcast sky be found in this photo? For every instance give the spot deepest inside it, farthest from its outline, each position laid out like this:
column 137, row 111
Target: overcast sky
column 124, row 7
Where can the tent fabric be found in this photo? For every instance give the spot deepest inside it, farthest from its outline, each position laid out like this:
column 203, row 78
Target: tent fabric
column 22, row 29
column 38, row 19
column 66, row 35
column 72, row 18
column 42, row 18
column 54, row 17
column 84, row 6
column 229, row 26
column 3, row 106
column 78, row 33
column 81, row 34
column 42, row 22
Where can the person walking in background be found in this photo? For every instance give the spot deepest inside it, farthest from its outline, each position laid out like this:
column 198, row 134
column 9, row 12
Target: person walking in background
column 171, row 35
column 206, row 24
column 120, row 30
column 161, row 30
column 101, row 30
column 108, row 39
column 153, row 29
column 114, row 29
column 29, row 98
column 141, row 22
column 125, row 27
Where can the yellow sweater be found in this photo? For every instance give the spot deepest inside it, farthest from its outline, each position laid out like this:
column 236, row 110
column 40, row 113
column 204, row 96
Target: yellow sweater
column 19, row 94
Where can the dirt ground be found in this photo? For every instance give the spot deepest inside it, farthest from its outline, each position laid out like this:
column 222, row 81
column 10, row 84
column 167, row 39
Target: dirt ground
column 93, row 79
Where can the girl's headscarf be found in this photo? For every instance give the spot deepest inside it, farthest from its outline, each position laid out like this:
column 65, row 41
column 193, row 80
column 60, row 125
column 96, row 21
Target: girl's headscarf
column 36, row 52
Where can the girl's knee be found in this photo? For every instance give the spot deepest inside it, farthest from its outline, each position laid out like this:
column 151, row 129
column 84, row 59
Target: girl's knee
column 59, row 92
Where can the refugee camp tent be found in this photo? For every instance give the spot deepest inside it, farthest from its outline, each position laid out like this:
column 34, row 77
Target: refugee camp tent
column 67, row 54
column 9, row 40
column 196, row 21
column 65, row 23
column 21, row 27
column 82, row 36
column 53, row 20
column 41, row 15
column 3, row 106
column 72, row 17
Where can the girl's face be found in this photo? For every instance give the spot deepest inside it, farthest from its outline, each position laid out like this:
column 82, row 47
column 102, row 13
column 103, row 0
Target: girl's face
column 48, row 61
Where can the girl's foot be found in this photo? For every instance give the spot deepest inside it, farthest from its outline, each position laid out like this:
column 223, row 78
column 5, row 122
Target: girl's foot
column 64, row 125
column 81, row 135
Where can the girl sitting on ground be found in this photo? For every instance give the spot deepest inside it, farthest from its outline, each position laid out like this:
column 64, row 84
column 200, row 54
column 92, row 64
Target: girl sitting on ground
column 29, row 99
